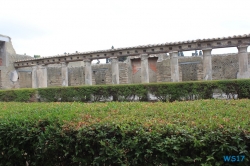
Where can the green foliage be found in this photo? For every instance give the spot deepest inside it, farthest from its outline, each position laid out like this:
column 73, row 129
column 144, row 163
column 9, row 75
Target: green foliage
column 20, row 95
column 124, row 133
column 163, row 91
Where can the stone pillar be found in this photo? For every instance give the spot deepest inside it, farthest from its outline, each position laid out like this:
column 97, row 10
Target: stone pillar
column 34, row 77
column 243, row 62
column 88, row 72
column 207, row 64
column 174, row 66
column 115, row 70
column 65, row 74
column 144, row 68
column 42, row 76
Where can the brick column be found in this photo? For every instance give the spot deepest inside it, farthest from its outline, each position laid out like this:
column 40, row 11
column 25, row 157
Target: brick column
column 144, row 68
column 174, row 66
column 34, row 77
column 115, row 70
column 243, row 62
column 207, row 64
column 88, row 72
column 65, row 80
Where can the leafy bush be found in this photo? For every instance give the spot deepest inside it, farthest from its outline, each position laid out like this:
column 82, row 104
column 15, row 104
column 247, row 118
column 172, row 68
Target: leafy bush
column 21, row 95
column 163, row 91
column 119, row 133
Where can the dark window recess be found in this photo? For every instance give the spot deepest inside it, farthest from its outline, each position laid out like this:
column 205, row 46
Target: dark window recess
column 239, row 41
column 189, row 46
column 78, row 57
column 199, row 45
column 144, row 50
column 112, row 53
column 136, row 51
column 229, row 42
column 64, row 58
column 127, row 52
column 161, row 49
column 218, row 43
column 59, row 59
column 153, row 50
column 208, row 44
column 120, row 53
column 179, row 47
column 170, row 48
column 105, row 55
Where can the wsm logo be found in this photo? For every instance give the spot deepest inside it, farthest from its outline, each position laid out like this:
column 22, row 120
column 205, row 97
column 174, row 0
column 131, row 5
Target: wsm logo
column 232, row 159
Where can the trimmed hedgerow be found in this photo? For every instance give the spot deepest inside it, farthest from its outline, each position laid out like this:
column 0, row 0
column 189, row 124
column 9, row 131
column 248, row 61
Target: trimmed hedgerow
column 127, row 92
column 20, row 95
column 119, row 133
column 163, row 91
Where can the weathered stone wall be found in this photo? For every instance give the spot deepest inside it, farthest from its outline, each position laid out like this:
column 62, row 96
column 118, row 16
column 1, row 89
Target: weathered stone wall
column 136, row 71
column 54, row 76
column 8, row 57
column 101, row 74
column 123, row 73
column 163, row 71
column 225, row 66
column 25, row 79
column 152, row 69
column 76, row 76
column 190, row 68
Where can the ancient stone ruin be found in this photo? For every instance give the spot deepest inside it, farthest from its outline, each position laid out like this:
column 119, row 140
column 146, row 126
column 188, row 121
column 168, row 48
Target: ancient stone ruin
column 144, row 64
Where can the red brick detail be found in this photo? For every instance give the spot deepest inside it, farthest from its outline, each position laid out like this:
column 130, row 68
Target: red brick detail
column 152, row 64
column 136, row 65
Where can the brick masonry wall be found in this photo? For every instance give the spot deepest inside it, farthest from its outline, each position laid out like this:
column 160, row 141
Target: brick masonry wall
column 123, row 73
column 54, row 76
column 101, row 74
column 76, row 76
column 163, row 73
column 8, row 57
column 224, row 66
column 190, row 68
column 152, row 69
column 25, row 79
column 136, row 71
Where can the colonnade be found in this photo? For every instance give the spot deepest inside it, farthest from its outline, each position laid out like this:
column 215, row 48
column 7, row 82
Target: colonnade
column 39, row 72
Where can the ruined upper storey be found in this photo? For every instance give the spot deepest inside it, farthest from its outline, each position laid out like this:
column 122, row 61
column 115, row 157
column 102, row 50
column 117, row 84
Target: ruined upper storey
column 199, row 44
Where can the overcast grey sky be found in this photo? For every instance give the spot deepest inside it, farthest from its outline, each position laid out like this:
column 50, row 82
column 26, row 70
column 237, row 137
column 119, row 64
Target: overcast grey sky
column 51, row 27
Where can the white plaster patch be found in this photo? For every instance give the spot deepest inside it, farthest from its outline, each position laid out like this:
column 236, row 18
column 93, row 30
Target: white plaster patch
column 14, row 76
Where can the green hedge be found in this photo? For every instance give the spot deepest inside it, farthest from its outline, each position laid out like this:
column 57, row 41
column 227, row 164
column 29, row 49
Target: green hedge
column 124, row 133
column 20, row 95
column 163, row 91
